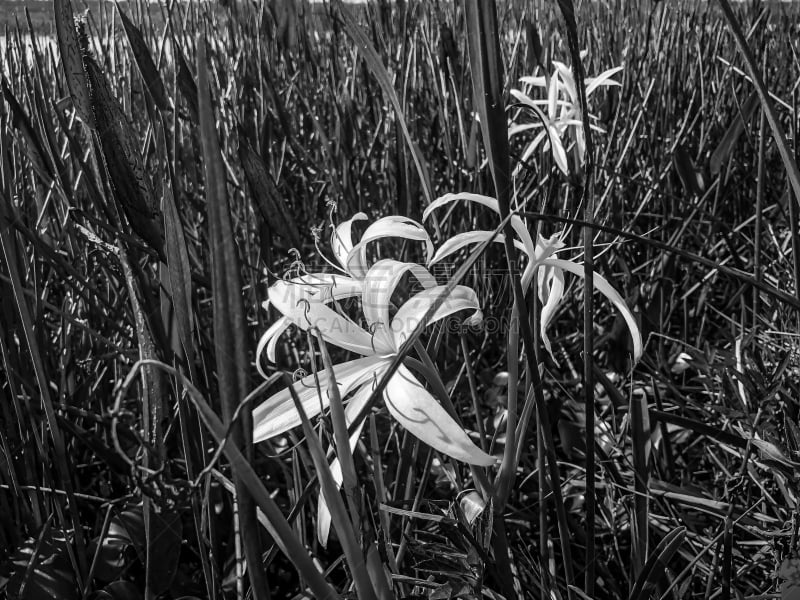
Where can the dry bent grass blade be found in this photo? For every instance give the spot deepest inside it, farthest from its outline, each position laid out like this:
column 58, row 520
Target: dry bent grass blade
column 144, row 62
column 131, row 184
column 71, row 59
column 356, row 33
column 158, row 572
column 274, row 521
column 230, row 332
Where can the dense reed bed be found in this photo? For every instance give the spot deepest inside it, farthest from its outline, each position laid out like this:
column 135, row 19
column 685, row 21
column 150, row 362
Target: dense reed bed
column 162, row 166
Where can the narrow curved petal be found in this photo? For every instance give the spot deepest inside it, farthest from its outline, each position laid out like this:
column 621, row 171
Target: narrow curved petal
column 342, row 238
column 409, row 316
column 539, row 81
column 350, row 413
column 516, row 223
column 305, row 307
column 516, row 129
column 418, row 412
column 459, row 241
column 569, row 83
column 559, row 154
column 387, row 227
column 379, row 286
column 552, row 96
column 277, row 414
column 604, row 287
column 269, row 340
column 603, row 79
column 551, row 291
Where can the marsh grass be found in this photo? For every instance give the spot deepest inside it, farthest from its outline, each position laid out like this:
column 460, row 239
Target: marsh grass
column 146, row 205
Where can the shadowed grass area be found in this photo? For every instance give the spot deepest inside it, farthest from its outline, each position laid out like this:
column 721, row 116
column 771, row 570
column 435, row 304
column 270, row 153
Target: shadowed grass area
column 160, row 171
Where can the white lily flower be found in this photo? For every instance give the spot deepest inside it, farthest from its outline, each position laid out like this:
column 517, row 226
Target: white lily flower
column 543, row 263
column 306, row 303
column 353, row 265
column 563, row 114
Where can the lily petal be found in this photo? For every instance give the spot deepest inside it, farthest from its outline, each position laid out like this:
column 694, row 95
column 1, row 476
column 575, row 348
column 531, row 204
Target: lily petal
column 387, row 227
column 305, row 307
column 566, row 75
column 277, row 414
column 422, row 416
column 604, row 287
column 379, row 286
column 413, row 310
column 603, row 79
column 269, row 341
column 516, row 223
column 459, row 241
column 551, row 291
column 342, row 238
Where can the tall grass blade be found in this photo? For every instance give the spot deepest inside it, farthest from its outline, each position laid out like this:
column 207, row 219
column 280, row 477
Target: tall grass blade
column 158, row 575
column 640, row 439
column 487, row 74
column 144, row 61
column 230, row 332
column 70, row 51
column 330, row 492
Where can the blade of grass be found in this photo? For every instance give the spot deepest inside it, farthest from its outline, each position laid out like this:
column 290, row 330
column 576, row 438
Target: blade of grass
column 486, row 65
column 640, row 443
column 587, row 196
column 70, row 52
column 230, row 332
column 330, row 492
column 144, row 61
